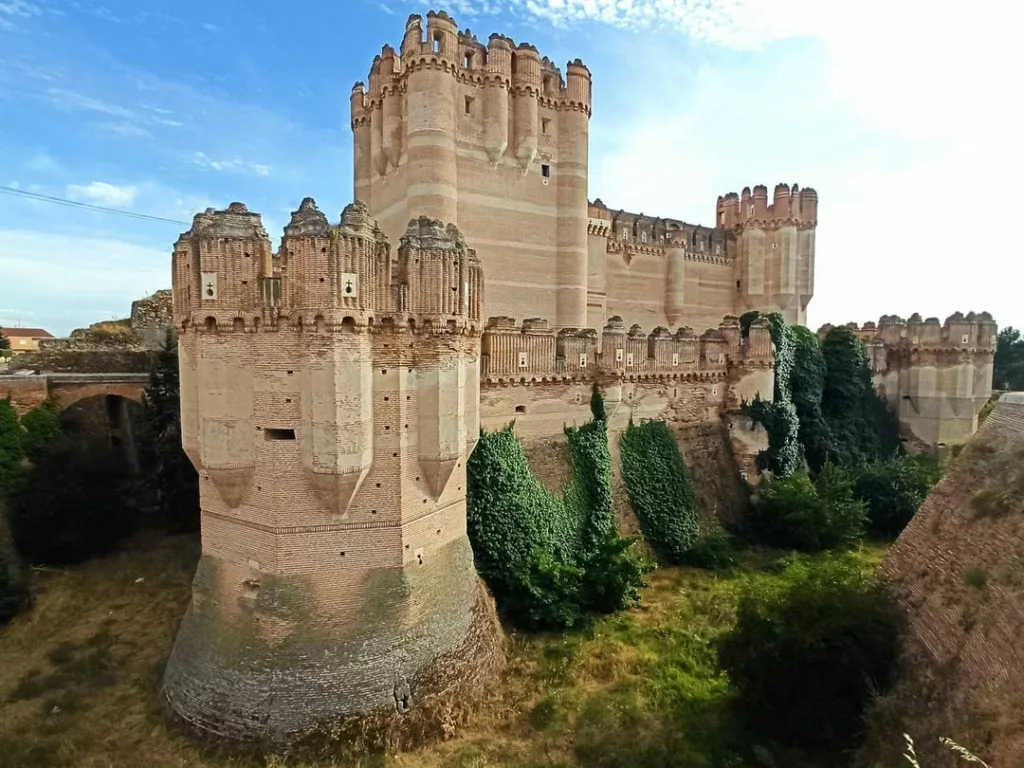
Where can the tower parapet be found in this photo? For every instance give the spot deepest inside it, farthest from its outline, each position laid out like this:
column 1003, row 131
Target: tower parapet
column 329, row 417
column 936, row 375
column 522, row 129
column 774, row 247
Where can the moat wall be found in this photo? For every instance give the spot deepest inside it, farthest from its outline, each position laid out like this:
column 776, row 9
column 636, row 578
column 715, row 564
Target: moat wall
column 959, row 576
column 699, row 412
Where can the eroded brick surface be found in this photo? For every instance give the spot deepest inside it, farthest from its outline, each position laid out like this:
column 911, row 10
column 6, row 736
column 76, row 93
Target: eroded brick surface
column 959, row 572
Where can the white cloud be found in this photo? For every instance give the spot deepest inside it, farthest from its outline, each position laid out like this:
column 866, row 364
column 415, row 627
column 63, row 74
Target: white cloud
column 123, row 128
column 898, row 112
column 232, row 165
column 19, row 8
column 103, row 193
column 42, row 163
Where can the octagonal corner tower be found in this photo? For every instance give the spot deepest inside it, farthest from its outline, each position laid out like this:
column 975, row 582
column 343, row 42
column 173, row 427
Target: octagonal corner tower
column 328, row 403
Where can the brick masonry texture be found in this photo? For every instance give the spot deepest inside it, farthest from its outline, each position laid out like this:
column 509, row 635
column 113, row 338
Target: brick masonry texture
column 494, row 137
column 329, row 415
column 959, row 575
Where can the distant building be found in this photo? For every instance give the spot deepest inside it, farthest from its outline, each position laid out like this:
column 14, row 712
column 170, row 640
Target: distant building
column 25, row 339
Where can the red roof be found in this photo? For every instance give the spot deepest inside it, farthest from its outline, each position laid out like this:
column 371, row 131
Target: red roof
column 32, row 333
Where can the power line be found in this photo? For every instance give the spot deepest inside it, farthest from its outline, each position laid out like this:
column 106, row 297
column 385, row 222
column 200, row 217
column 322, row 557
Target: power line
column 86, row 206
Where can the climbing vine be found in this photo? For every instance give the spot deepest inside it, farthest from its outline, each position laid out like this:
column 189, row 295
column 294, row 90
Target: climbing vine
column 807, row 381
column 549, row 559
column 825, row 408
column 861, row 425
column 658, row 486
column 778, row 417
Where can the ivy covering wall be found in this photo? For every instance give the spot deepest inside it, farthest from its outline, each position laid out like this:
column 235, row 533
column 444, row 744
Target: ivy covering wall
column 825, row 408
column 550, row 559
column 778, row 417
column 659, row 490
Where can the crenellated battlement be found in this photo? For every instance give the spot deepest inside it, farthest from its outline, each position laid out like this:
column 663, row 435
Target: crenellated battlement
column 517, row 67
column 330, row 398
column 971, row 332
column 533, row 352
column 751, row 208
column 486, row 132
column 333, row 278
column 936, row 375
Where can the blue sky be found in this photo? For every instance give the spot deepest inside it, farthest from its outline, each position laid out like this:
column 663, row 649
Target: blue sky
column 901, row 113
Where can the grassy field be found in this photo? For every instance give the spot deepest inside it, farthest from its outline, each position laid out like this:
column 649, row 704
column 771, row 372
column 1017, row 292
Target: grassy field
column 80, row 678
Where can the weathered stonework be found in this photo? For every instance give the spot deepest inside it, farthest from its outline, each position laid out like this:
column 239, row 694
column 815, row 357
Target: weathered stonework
column 111, row 346
column 937, row 377
column 327, row 403
column 959, row 578
column 492, row 137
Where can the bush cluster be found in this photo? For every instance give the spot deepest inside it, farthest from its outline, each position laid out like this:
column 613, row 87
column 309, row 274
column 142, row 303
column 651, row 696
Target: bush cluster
column 806, row 657
column 810, row 515
column 14, row 591
column 658, row 486
column 893, row 490
column 549, row 559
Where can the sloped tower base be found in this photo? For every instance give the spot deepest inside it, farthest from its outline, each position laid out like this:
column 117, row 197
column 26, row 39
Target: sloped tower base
column 313, row 655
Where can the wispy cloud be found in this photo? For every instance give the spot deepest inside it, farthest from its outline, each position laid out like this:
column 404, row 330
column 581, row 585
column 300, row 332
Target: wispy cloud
column 103, row 193
column 41, row 162
column 12, row 11
column 124, row 129
column 231, row 165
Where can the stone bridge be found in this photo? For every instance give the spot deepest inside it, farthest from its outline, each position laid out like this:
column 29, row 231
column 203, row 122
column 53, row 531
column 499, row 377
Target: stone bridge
column 66, row 389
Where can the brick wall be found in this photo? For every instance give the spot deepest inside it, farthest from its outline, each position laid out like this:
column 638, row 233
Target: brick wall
column 963, row 657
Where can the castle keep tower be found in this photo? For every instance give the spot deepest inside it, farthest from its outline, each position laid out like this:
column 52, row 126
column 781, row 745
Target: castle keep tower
column 774, row 248
column 330, row 399
column 489, row 137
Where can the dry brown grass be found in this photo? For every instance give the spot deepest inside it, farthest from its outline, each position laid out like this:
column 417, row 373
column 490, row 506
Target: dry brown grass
column 81, row 672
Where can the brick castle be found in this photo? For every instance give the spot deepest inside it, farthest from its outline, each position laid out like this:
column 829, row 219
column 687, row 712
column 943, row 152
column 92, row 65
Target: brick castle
column 332, row 391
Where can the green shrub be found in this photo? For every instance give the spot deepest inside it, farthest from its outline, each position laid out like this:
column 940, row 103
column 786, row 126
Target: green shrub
column 41, row 428
column 659, row 490
column 796, row 512
column 72, row 504
column 893, row 490
column 714, row 551
column 549, row 560
column 12, row 451
column 806, row 657
column 14, row 592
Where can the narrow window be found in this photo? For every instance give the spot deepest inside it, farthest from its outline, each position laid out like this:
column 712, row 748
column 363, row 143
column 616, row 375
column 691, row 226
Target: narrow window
column 278, row 434
column 547, row 83
column 467, row 62
column 469, row 105
column 545, row 171
column 544, row 122
column 437, row 42
column 751, row 210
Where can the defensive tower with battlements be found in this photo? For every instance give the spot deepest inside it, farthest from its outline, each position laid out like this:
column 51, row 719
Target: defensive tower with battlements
column 495, row 139
column 329, row 399
column 936, row 376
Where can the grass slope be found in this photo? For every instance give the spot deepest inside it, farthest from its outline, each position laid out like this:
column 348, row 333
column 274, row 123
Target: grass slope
column 80, row 677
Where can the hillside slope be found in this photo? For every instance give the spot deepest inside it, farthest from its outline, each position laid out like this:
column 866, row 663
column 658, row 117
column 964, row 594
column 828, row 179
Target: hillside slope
column 958, row 569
